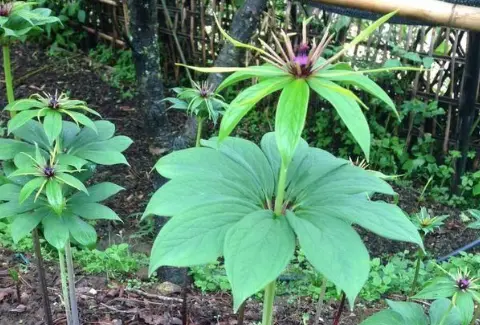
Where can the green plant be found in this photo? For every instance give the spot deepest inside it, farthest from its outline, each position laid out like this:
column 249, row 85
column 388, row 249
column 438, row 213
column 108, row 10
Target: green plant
column 476, row 215
column 18, row 20
column 116, row 261
column 441, row 312
column 201, row 101
column 55, row 158
column 248, row 204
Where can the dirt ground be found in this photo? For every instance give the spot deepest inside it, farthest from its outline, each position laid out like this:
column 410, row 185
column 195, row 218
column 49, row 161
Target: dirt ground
column 109, row 303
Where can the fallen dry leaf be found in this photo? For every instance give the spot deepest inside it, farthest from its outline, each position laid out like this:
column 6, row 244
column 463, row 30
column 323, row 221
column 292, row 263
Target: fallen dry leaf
column 156, row 151
column 5, row 293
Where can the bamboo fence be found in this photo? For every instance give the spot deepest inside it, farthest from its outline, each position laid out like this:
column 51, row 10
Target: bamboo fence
column 189, row 25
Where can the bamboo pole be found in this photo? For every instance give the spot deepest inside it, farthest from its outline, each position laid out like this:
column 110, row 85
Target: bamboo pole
column 432, row 11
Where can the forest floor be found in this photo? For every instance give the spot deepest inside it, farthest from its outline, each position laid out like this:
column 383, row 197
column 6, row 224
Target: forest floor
column 106, row 303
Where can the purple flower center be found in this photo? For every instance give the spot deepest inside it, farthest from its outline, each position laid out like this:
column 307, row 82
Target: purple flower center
column 53, row 103
column 49, row 171
column 301, row 56
column 463, row 283
column 204, row 92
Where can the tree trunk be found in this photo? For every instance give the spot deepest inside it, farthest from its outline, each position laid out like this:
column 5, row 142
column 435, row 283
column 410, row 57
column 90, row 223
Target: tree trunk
column 143, row 16
column 244, row 24
column 468, row 98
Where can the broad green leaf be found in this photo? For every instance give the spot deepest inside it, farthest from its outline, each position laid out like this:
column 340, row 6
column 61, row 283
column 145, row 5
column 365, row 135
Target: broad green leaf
column 93, row 211
column 9, row 192
column 437, row 288
column 9, row 148
column 245, row 101
column 33, row 132
column 210, row 70
column 206, row 162
column 55, row 196
column 196, row 236
column 385, row 317
column 412, row 313
column 264, row 71
column 362, row 82
column 52, row 125
column 81, row 231
column 21, row 118
column 465, row 306
column 70, row 160
column 107, row 158
column 334, row 249
column 345, row 180
column 290, row 118
column 82, row 119
column 55, row 231
column 71, row 181
column 24, row 104
column 257, row 250
column 386, row 220
column 438, row 309
column 30, row 187
column 86, row 136
column 23, row 224
column 348, row 110
column 182, row 194
column 476, row 189
column 96, row 193
column 250, row 157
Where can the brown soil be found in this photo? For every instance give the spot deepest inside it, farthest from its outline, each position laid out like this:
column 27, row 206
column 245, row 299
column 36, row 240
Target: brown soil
column 109, row 303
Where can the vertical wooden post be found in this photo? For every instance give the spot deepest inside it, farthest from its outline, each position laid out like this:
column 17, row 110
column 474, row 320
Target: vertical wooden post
column 468, row 96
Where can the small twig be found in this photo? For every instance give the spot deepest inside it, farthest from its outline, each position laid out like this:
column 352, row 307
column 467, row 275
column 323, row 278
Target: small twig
column 153, row 296
column 118, row 310
column 146, row 302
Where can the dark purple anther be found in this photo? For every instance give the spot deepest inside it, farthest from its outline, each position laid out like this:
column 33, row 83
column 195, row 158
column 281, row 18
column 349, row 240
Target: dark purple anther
column 302, row 55
column 204, row 92
column 463, row 283
column 49, row 171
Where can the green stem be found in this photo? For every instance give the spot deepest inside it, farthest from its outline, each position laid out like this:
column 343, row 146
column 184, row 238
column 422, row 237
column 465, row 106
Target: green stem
column 282, row 180
column 268, row 304
column 7, row 68
column 445, row 316
column 41, row 277
column 63, row 276
column 415, row 277
column 71, row 284
column 199, row 131
column 318, row 312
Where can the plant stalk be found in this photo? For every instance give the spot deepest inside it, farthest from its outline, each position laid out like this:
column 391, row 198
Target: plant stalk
column 42, row 278
column 417, row 272
column 7, row 68
column 445, row 316
column 338, row 316
column 63, row 276
column 318, row 312
column 267, row 318
column 199, row 131
column 282, row 180
column 71, row 284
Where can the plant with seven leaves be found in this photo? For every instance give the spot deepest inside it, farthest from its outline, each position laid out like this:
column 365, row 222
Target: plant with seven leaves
column 427, row 223
column 441, row 312
column 250, row 204
column 221, row 200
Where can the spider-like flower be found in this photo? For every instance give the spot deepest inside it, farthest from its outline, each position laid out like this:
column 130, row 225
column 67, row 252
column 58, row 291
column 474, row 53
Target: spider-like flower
column 6, row 8
column 426, row 222
column 464, row 282
column 301, row 60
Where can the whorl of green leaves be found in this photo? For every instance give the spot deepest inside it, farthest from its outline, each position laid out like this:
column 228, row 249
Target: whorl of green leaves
column 19, row 20
column 52, row 108
column 201, row 102
column 220, row 200
column 410, row 313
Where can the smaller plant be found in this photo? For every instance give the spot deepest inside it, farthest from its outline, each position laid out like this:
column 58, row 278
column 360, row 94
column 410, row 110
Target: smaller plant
column 476, row 215
column 441, row 312
column 201, row 101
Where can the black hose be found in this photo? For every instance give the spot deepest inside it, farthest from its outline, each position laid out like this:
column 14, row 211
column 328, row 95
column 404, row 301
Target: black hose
column 458, row 251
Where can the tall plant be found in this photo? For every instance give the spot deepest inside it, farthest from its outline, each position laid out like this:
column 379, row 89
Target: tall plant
column 18, row 20
column 47, row 166
column 251, row 204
